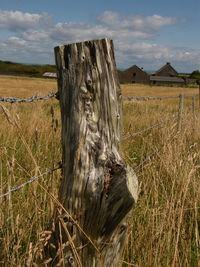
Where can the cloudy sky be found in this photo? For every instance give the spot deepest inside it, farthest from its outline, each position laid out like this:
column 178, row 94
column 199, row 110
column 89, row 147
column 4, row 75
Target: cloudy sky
column 148, row 33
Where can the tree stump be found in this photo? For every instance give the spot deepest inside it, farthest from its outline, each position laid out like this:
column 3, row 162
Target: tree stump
column 98, row 190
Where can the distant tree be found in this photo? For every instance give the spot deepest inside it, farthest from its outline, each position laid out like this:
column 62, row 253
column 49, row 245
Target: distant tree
column 195, row 75
column 11, row 68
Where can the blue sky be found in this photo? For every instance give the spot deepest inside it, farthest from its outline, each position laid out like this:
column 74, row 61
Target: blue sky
column 148, row 33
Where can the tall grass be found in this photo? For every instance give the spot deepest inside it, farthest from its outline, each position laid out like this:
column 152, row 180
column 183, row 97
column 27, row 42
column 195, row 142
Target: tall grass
column 166, row 220
column 30, row 143
column 165, row 225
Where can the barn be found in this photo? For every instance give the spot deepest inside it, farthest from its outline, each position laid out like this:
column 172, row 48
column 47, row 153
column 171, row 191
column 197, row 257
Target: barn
column 166, row 75
column 134, row 74
column 167, row 71
column 165, row 80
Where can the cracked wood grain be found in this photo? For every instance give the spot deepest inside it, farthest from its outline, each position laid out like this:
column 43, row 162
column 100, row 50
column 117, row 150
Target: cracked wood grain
column 98, row 189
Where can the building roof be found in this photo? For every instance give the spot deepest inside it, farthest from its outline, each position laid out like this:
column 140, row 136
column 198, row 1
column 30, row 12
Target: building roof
column 167, row 68
column 50, row 75
column 166, row 79
column 134, row 67
column 133, row 74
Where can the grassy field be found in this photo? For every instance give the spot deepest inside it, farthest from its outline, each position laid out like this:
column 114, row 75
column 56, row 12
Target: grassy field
column 165, row 226
column 146, row 90
column 25, row 87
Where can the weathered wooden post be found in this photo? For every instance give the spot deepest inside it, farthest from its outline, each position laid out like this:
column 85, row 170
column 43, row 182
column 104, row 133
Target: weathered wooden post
column 98, row 190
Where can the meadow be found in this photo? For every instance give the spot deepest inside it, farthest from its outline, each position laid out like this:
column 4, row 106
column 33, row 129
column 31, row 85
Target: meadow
column 165, row 225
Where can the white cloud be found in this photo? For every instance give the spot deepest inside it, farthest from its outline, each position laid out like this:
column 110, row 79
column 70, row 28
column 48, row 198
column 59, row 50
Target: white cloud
column 16, row 41
column 19, row 21
column 109, row 18
column 135, row 22
column 134, row 38
column 35, row 36
column 150, row 55
column 155, row 22
column 71, row 32
column 111, row 25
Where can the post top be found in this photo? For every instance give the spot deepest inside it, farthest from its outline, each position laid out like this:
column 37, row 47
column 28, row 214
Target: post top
column 85, row 41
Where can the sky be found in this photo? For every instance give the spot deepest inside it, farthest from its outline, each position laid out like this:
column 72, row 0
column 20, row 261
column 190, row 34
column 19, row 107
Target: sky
column 147, row 33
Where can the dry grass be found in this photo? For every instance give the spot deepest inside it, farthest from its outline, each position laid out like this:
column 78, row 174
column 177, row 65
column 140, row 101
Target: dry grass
column 25, row 87
column 165, row 227
column 166, row 221
column 146, row 90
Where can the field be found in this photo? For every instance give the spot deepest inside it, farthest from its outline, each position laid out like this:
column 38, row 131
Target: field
column 165, row 226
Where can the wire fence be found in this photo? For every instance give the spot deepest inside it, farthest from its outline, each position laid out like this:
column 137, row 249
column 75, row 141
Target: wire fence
column 56, row 95
column 161, row 124
column 154, row 152
column 28, row 100
column 147, row 98
column 31, row 180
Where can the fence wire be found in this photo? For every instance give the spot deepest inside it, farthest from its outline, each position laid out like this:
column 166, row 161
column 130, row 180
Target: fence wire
column 173, row 136
column 28, row 100
column 160, row 124
column 56, row 95
column 149, row 157
column 147, row 98
column 31, row 180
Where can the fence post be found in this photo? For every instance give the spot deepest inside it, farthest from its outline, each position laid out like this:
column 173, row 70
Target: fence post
column 199, row 93
column 193, row 108
column 193, row 105
column 180, row 111
column 98, row 190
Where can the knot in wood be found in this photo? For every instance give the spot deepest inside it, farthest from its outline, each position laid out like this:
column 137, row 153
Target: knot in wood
column 123, row 227
column 71, row 261
column 115, row 167
column 89, row 86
